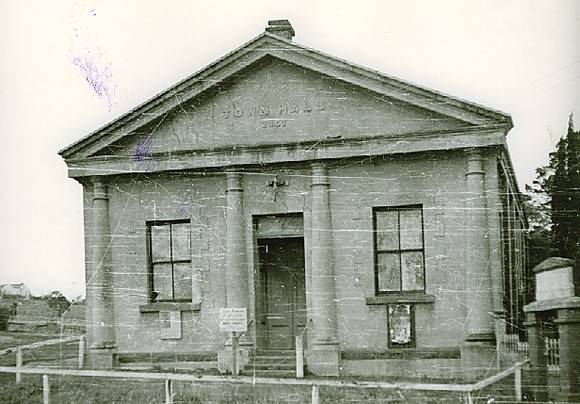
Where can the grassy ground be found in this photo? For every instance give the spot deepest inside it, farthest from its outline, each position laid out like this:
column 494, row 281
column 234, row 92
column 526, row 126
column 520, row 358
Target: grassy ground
column 99, row 390
column 68, row 390
column 9, row 339
column 55, row 354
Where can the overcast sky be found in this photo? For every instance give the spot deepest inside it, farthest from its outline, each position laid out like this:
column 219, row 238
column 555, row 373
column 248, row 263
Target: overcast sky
column 521, row 57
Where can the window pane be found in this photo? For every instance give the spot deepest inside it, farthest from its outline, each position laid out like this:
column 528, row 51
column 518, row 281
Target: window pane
column 180, row 240
column 411, row 229
column 400, row 324
column 160, row 243
column 413, row 273
column 387, row 230
column 162, row 282
column 182, row 281
column 389, row 276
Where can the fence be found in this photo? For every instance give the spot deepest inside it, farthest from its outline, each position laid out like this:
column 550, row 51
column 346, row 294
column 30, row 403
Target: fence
column 511, row 344
column 19, row 350
column 552, row 352
column 168, row 378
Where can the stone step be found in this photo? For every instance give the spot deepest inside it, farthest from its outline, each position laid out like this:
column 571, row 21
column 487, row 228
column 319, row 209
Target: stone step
column 271, row 366
column 271, row 359
column 268, row 373
column 275, row 352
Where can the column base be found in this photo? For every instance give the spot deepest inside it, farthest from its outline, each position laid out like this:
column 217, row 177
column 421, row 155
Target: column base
column 478, row 355
column 324, row 360
column 102, row 358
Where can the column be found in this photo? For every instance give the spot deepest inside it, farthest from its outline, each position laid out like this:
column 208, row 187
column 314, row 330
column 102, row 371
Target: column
column 237, row 293
column 478, row 350
column 568, row 323
column 323, row 358
column 536, row 381
column 478, row 293
column 236, row 269
column 101, row 283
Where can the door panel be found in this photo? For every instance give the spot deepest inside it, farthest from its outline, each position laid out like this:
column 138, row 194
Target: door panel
column 283, row 295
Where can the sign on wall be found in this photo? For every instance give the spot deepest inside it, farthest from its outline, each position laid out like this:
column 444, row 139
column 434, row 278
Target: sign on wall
column 170, row 324
column 233, row 319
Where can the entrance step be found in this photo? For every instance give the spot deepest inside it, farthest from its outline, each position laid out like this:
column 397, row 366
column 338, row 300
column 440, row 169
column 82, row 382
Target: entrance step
column 267, row 373
column 272, row 363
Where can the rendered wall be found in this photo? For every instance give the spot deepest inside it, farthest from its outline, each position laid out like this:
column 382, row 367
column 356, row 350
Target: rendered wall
column 435, row 180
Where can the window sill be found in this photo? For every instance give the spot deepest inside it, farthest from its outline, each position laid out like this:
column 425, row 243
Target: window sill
column 168, row 306
column 401, row 298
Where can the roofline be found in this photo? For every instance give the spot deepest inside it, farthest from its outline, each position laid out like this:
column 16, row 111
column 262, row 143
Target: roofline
column 66, row 150
column 395, row 81
column 407, row 85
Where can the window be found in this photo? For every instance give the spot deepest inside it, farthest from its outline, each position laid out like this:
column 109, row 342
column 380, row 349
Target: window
column 169, row 260
column 401, row 328
column 399, row 255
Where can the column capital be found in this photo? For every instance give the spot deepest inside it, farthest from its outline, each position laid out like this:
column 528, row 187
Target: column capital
column 474, row 162
column 99, row 188
column 319, row 173
column 234, row 181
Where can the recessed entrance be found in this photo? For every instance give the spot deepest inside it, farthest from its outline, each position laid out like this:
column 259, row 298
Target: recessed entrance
column 282, row 296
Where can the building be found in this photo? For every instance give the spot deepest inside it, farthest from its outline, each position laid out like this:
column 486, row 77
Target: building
column 379, row 219
column 14, row 290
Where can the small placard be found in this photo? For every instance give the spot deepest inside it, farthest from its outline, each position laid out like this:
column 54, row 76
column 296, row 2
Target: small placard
column 170, row 324
column 233, row 319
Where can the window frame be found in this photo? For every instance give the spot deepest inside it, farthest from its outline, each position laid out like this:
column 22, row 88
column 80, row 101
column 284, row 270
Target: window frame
column 412, row 339
column 150, row 264
column 399, row 251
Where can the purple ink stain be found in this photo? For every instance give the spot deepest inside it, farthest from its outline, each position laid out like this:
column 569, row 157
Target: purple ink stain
column 96, row 77
column 143, row 149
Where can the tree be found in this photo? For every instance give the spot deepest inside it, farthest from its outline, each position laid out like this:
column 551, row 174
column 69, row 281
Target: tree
column 58, row 302
column 553, row 199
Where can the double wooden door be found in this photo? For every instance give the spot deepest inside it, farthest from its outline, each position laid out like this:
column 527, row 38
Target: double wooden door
column 282, row 298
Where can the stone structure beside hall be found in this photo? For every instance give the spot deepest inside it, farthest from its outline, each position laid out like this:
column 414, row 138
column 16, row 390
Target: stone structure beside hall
column 554, row 314
column 378, row 220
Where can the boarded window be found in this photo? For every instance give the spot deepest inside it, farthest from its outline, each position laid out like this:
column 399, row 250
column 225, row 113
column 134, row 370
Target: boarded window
column 399, row 251
column 170, row 260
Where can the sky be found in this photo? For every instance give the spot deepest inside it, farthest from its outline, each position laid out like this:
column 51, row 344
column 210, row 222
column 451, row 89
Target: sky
column 69, row 67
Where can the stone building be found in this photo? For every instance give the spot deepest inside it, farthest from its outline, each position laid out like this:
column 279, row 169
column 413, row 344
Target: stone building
column 379, row 219
column 15, row 290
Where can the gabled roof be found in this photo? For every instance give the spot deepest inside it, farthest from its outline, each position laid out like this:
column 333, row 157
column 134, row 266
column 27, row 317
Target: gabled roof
column 268, row 44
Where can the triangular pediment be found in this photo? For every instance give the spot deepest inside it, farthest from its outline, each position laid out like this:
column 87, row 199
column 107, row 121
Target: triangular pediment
column 277, row 102
column 272, row 91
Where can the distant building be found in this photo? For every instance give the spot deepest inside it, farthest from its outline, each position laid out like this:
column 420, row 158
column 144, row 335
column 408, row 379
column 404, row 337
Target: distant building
column 14, row 290
column 379, row 219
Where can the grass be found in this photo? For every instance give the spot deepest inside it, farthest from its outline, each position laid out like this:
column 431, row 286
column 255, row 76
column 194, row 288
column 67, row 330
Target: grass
column 68, row 390
column 52, row 353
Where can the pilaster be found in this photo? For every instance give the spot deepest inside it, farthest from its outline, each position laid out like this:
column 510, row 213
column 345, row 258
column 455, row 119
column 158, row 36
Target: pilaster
column 568, row 323
column 100, row 286
column 478, row 350
column 536, row 383
column 237, row 288
column 324, row 356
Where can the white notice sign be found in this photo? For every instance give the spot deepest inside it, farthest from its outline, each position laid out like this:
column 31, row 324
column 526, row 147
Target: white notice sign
column 233, row 319
column 170, row 324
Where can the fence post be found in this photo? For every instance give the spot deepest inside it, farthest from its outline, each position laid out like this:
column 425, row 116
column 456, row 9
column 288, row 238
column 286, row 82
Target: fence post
column 168, row 392
column 81, row 351
column 18, row 364
column 315, row 395
column 518, row 380
column 45, row 390
column 299, row 357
